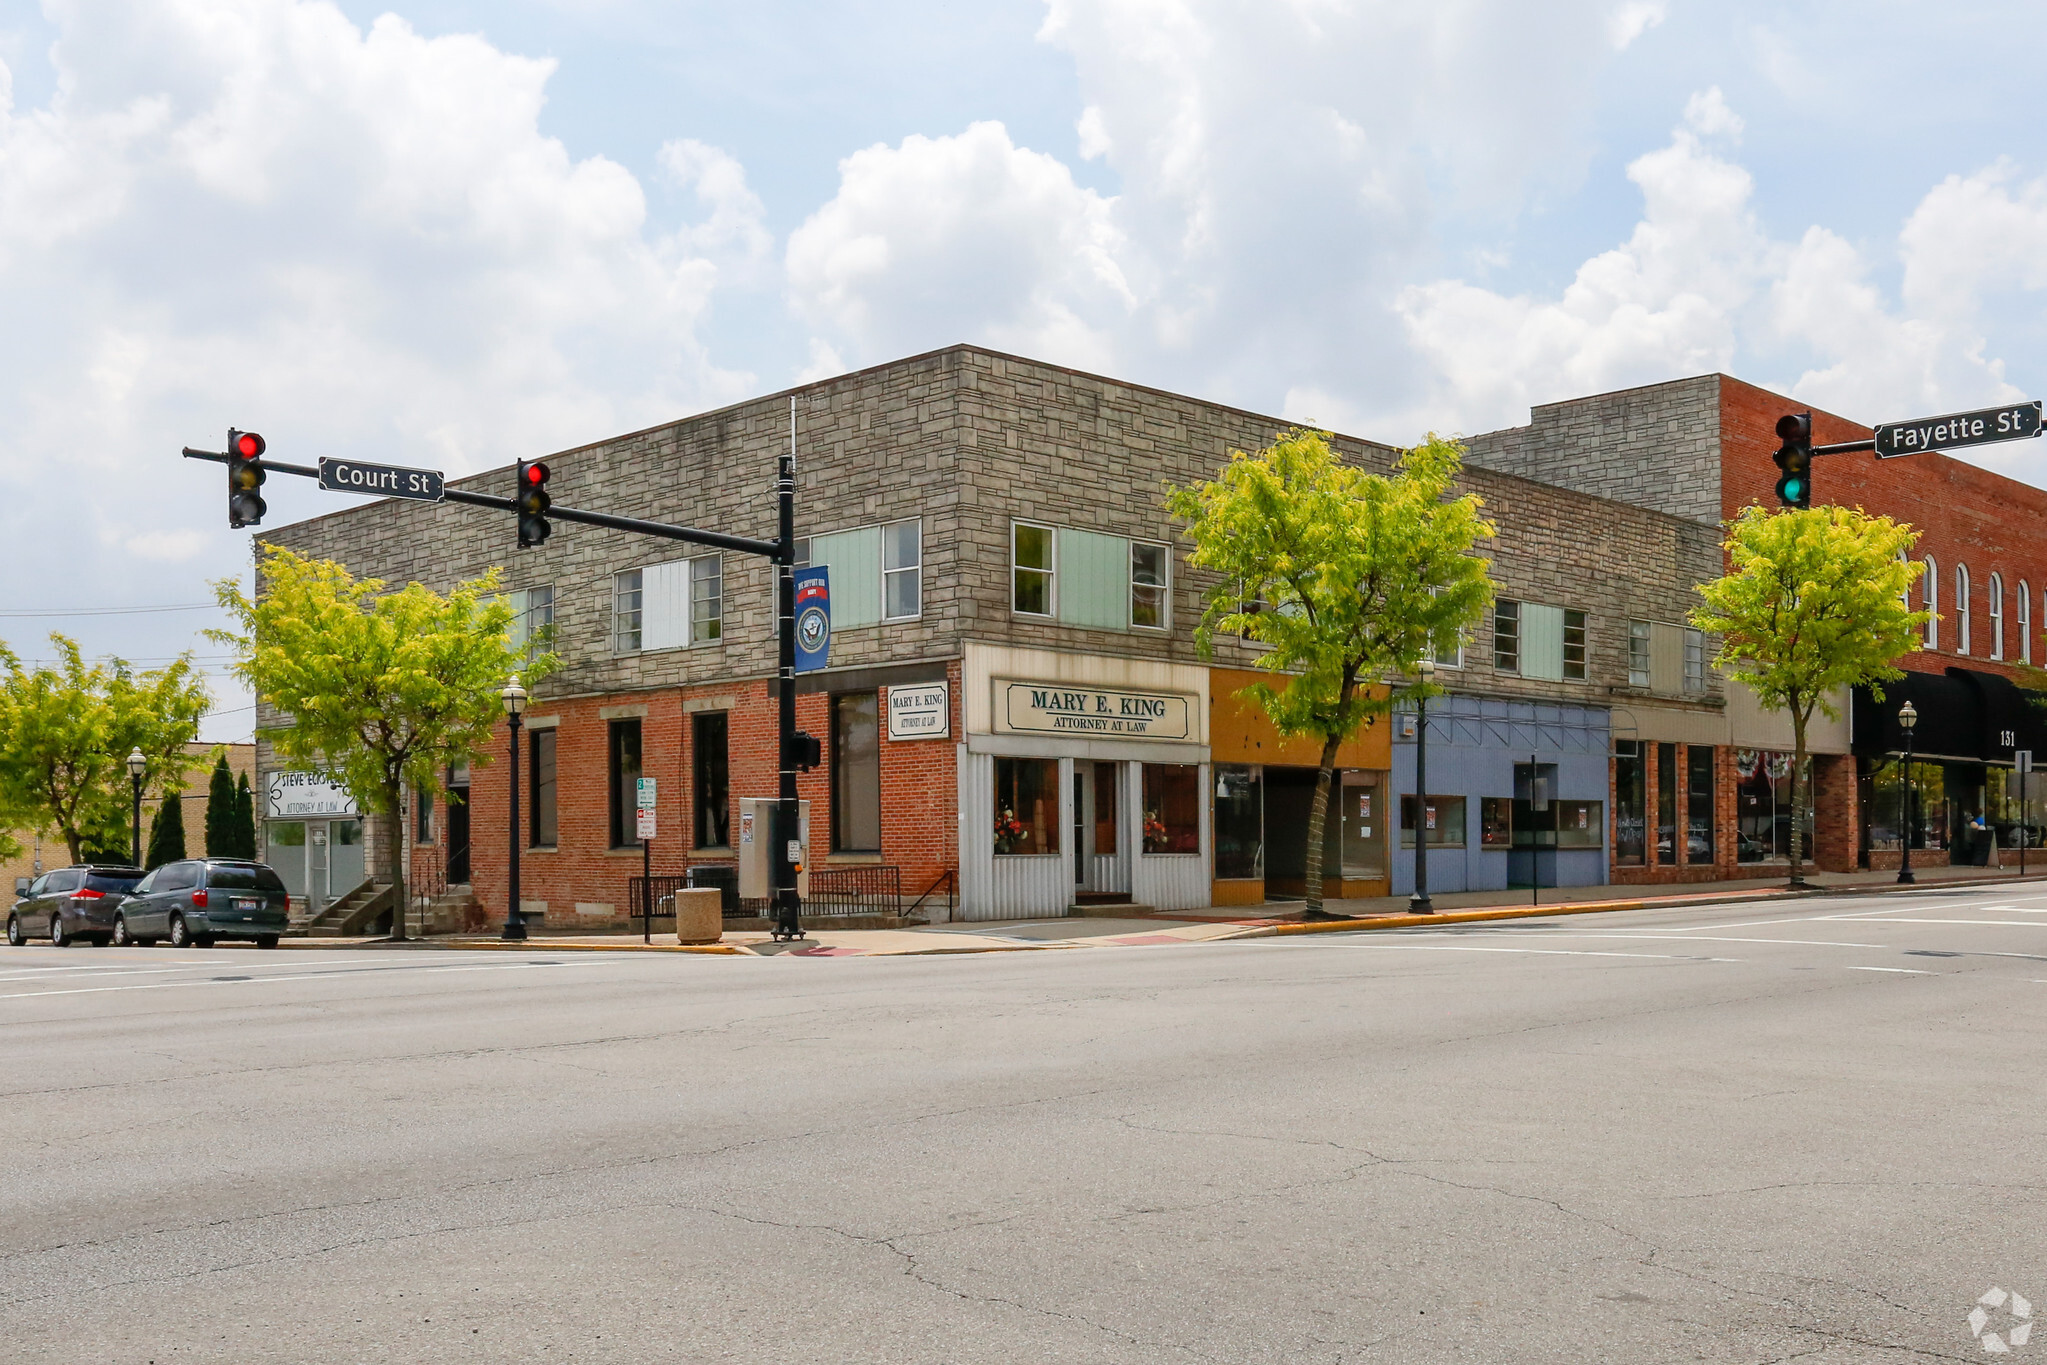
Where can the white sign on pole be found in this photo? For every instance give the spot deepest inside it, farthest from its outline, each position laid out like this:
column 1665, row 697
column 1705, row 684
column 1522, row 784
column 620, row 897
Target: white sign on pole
column 643, row 800
column 2024, row 759
column 920, row 711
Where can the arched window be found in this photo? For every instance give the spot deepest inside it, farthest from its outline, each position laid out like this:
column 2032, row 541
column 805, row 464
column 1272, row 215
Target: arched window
column 1961, row 609
column 1929, row 600
column 1997, row 616
column 2025, row 601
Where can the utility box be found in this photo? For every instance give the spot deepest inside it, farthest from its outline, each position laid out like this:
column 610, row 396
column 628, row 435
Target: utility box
column 756, row 847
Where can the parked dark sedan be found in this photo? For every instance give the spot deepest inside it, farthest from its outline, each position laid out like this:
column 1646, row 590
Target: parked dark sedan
column 70, row 905
column 201, row 900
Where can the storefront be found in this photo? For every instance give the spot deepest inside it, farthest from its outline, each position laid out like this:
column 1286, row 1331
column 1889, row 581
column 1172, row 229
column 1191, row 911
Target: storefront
column 1962, row 799
column 313, row 837
column 1264, row 795
column 1082, row 781
column 1517, row 795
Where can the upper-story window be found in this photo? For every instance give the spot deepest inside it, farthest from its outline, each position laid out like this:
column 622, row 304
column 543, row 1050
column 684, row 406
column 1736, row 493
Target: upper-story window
column 668, row 606
column 2025, row 622
column 532, row 612
column 1961, row 609
column 1695, row 660
column 902, row 568
column 1574, row 646
column 1034, row 583
column 1506, row 636
column 1929, row 599
column 1638, row 653
column 626, row 597
column 1151, row 568
column 1997, row 616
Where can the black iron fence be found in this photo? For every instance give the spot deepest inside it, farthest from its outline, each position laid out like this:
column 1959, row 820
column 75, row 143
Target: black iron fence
column 865, row 890
column 638, row 897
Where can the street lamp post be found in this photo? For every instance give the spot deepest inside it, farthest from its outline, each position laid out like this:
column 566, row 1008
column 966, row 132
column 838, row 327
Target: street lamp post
column 1908, row 716
column 515, row 704
column 1419, row 903
column 137, row 766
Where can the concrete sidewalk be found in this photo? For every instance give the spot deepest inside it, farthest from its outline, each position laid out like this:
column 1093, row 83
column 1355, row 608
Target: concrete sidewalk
column 1215, row 923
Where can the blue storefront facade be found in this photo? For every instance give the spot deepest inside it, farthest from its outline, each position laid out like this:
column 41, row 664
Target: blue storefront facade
column 1517, row 794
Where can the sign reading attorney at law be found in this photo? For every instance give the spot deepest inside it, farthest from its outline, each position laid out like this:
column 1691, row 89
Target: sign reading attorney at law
column 813, row 618
column 1093, row 712
column 920, row 711
column 298, row 794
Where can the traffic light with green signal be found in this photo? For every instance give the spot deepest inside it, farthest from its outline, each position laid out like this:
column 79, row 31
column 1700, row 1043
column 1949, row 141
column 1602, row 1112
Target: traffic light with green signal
column 245, row 475
column 533, row 502
column 1794, row 458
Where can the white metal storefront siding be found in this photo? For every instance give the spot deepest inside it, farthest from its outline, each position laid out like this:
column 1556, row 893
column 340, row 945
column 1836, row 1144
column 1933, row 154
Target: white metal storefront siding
column 1012, row 886
column 1167, row 881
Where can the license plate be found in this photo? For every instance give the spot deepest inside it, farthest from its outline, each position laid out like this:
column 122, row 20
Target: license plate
column 247, row 908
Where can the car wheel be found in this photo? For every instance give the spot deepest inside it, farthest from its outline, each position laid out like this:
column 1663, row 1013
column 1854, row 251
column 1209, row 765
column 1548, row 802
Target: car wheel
column 266, row 941
column 58, row 937
column 122, row 939
column 181, row 937
column 15, row 938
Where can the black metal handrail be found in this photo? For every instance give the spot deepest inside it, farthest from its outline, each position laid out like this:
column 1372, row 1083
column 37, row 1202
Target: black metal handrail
column 426, row 875
column 950, row 880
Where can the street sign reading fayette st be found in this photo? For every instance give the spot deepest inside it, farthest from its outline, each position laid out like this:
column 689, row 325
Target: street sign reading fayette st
column 2012, row 422
column 393, row 481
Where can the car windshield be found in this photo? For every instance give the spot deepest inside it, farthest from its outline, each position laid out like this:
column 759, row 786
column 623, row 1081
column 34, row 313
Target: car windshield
column 244, row 879
column 103, row 881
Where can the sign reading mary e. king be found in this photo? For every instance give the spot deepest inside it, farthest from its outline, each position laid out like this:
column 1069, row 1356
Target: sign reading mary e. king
column 1093, row 712
column 299, row 794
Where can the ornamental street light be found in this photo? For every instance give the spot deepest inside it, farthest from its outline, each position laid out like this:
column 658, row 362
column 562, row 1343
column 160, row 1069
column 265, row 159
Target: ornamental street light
column 515, row 705
column 1419, row 903
column 137, row 766
column 1908, row 716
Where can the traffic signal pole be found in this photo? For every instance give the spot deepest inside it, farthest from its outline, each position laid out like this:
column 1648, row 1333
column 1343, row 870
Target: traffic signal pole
column 781, row 552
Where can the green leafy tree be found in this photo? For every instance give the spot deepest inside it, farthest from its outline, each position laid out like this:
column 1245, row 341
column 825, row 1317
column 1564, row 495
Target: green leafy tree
column 65, row 735
column 245, row 820
column 1814, row 601
column 220, row 811
column 167, row 832
column 384, row 688
column 1349, row 579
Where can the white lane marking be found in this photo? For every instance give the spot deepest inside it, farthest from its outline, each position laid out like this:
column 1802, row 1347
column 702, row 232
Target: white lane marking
column 1539, row 952
column 1651, row 934
column 2008, row 923
column 289, row 976
column 1902, row 971
column 118, row 971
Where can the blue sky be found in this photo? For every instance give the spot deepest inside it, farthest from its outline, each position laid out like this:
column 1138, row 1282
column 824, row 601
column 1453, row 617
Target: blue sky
column 449, row 233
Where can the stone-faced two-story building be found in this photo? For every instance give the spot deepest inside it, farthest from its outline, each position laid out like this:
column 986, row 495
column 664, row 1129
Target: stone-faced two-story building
column 1004, row 577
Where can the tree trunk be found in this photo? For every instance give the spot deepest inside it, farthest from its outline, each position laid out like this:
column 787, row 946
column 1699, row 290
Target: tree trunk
column 1318, row 815
column 394, row 852
column 1798, row 799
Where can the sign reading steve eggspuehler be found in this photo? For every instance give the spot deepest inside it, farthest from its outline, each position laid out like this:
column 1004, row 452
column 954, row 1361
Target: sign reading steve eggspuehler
column 1063, row 709
column 307, row 794
column 920, row 711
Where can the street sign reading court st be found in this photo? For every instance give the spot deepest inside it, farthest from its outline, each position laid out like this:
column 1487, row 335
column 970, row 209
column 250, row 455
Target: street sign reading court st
column 2012, row 422
column 393, row 481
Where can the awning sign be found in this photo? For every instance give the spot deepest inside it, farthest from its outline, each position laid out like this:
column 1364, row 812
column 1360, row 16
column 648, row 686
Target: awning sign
column 294, row 795
column 813, row 618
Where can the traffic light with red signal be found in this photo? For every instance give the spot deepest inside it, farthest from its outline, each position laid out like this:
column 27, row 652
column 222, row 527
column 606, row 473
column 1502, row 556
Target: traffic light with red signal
column 245, row 475
column 1794, row 458
column 533, row 502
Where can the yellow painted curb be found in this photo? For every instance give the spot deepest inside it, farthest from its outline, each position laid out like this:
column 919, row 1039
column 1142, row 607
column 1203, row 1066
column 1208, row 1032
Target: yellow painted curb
column 1345, row 926
column 541, row 945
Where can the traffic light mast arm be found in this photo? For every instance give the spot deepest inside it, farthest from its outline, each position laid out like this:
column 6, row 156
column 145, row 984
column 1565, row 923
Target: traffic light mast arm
column 1844, row 448
column 745, row 545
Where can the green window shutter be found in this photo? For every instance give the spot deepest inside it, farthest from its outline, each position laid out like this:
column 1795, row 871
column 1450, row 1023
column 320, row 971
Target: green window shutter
column 1094, row 580
column 854, row 558
column 1542, row 642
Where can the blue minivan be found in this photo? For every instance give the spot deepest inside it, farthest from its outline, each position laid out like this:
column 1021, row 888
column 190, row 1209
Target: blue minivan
column 199, row 901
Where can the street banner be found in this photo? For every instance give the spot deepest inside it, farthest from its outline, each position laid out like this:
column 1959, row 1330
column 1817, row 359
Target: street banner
column 813, row 618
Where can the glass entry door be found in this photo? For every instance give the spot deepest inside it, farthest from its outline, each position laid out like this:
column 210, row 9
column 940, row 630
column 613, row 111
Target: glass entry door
column 1098, row 865
column 1362, row 814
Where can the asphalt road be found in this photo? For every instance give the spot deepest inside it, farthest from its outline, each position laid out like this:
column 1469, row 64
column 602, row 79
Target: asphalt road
column 1805, row 1130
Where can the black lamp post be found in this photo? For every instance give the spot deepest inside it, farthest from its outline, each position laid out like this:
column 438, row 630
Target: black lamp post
column 1908, row 716
column 515, row 705
column 137, row 766
column 1419, row 903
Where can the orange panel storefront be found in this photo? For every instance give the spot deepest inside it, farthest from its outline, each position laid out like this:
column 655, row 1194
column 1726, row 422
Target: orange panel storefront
column 1264, row 791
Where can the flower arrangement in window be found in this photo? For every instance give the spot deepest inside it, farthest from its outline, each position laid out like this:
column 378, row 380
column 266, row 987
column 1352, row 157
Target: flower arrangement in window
column 1010, row 832
column 1156, row 839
